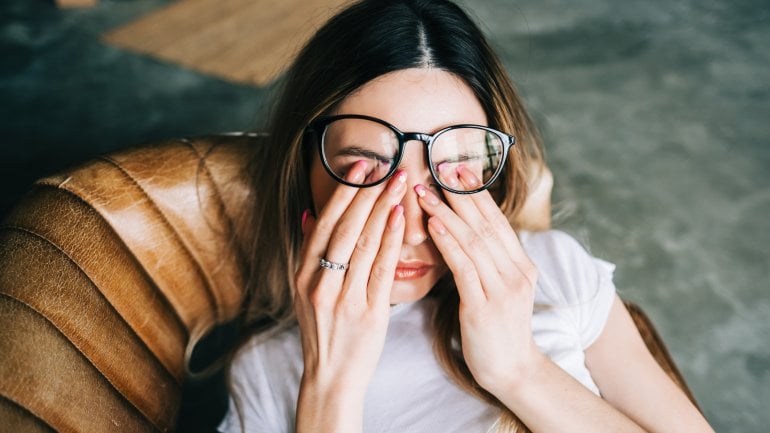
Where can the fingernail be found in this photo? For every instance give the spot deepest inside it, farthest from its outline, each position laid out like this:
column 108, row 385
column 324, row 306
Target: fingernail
column 396, row 216
column 304, row 217
column 357, row 172
column 438, row 227
column 426, row 195
column 468, row 177
column 446, row 175
column 397, row 184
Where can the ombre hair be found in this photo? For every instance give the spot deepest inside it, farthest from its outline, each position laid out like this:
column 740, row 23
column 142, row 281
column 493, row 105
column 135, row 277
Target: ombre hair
column 364, row 41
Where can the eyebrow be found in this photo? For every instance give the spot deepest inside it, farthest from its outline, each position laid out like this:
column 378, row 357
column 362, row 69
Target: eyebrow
column 357, row 151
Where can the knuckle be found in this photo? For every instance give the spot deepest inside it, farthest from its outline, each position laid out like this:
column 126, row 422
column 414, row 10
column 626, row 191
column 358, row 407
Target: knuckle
column 345, row 309
column 299, row 283
column 341, row 233
column 520, row 280
column 525, row 278
column 510, row 273
column 366, row 243
column 532, row 276
column 486, row 231
column 324, row 226
column 475, row 242
column 500, row 220
column 467, row 270
column 318, row 299
column 530, row 272
column 380, row 273
column 302, row 280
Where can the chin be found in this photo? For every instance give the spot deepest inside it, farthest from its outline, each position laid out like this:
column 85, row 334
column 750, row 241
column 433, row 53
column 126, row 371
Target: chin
column 405, row 292
column 413, row 289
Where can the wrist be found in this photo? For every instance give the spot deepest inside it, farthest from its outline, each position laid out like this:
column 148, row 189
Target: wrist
column 328, row 407
column 519, row 375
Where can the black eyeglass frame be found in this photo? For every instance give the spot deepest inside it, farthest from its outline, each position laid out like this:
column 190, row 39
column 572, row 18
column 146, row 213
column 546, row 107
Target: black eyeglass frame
column 319, row 125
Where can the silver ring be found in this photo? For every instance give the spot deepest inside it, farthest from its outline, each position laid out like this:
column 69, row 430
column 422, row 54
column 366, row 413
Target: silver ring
column 334, row 266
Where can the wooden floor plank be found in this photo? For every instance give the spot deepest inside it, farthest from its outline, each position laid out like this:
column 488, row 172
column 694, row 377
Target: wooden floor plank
column 244, row 41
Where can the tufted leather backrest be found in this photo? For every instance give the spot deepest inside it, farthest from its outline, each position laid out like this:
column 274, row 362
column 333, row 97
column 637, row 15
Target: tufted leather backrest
column 110, row 273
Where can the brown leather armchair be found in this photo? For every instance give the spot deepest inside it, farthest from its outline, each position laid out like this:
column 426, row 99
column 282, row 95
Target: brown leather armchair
column 112, row 271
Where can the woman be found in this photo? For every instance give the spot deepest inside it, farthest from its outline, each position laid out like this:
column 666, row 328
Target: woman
column 392, row 292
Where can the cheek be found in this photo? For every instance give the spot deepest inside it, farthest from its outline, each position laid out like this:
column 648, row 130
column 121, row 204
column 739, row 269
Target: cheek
column 321, row 185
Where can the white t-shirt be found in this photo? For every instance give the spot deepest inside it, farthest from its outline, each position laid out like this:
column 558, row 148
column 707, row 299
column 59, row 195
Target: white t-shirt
column 409, row 391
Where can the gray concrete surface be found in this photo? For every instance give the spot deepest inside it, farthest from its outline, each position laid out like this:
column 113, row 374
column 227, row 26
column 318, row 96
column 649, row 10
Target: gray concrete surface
column 656, row 116
column 657, row 123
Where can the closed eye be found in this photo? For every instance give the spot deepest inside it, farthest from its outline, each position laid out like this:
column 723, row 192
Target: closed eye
column 462, row 158
column 363, row 153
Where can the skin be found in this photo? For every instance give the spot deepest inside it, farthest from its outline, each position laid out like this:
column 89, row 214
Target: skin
column 343, row 316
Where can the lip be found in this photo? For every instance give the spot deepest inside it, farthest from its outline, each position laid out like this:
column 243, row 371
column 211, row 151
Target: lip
column 411, row 270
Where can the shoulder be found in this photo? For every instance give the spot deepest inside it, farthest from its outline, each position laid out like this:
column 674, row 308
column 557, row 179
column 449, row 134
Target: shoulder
column 571, row 282
column 553, row 247
column 566, row 269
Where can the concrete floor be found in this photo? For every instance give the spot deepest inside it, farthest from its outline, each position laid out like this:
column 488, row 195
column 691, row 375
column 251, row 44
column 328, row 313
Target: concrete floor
column 656, row 116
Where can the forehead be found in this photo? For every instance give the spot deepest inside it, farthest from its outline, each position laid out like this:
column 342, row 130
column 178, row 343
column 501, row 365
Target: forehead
column 416, row 100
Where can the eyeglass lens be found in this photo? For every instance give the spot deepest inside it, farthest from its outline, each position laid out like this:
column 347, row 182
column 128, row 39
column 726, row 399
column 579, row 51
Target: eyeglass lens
column 347, row 141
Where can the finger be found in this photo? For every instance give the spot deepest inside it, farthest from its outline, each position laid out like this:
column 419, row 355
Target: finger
column 461, row 266
column 301, row 275
column 306, row 225
column 317, row 240
column 383, row 270
column 486, row 206
column 469, row 241
column 346, row 234
column 483, row 215
column 368, row 244
column 467, row 207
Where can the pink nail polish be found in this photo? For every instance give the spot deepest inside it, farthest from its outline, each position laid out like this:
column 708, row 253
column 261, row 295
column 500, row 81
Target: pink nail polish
column 468, row 176
column 304, row 216
column 358, row 171
column 420, row 190
column 396, row 216
column 447, row 175
column 398, row 181
column 437, row 226
column 426, row 195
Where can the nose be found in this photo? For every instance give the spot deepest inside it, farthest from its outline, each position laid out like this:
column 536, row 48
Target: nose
column 415, row 220
column 415, row 165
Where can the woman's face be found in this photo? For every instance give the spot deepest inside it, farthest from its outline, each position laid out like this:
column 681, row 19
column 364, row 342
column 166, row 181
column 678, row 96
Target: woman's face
column 413, row 100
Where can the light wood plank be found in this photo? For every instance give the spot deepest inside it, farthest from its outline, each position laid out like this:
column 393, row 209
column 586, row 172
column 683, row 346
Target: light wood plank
column 65, row 4
column 244, row 41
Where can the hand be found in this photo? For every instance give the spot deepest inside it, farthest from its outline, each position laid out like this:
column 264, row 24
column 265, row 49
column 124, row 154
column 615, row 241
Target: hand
column 494, row 277
column 343, row 315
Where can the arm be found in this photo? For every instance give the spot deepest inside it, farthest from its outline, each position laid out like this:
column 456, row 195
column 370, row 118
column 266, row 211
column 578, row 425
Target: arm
column 343, row 314
column 547, row 399
column 631, row 380
column 496, row 280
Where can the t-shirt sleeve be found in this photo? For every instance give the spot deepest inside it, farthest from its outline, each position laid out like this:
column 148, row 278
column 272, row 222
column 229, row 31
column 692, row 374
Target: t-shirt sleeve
column 250, row 403
column 570, row 278
column 594, row 313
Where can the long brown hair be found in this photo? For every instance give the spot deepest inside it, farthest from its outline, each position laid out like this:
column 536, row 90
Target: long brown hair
column 366, row 40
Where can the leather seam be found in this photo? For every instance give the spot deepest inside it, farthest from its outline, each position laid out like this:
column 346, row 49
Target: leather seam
column 179, row 322
column 88, row 360
column 93, row 284
column 202, row 166
column 242, row 253
column 167, row 223
column 27, row 410
column 91, row 281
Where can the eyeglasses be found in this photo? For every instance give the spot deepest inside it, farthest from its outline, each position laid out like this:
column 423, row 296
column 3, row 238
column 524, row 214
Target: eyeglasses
column 346, row 139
